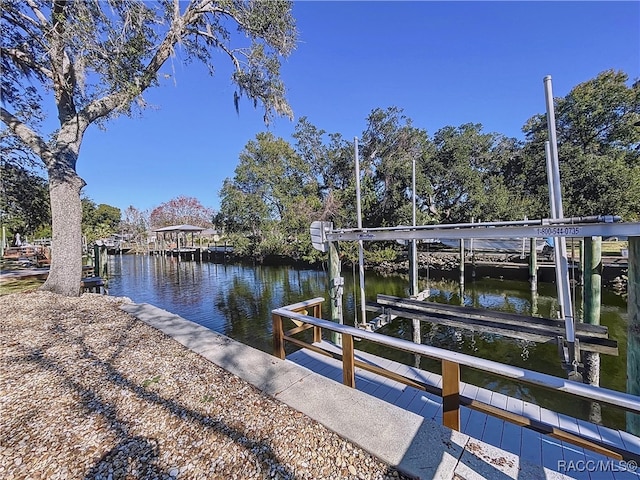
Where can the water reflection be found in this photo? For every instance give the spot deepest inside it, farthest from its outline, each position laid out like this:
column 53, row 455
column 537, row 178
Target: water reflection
column 237, row 300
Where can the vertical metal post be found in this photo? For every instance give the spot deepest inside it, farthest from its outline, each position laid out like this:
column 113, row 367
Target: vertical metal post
column 462, row 255
column 533, row 265
column 413, row 258
column 633, row 332
column 561, row 263
column 363, row 311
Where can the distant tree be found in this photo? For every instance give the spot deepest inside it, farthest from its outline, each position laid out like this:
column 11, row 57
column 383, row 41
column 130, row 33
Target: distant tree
column 181, row 210
column 389, row 146
column 598, row 150
column 135, row 223
column 331, row 165
column 98, row 57
column 464, row 174
column 24, row 199
column 272, row 197
column 98, row 221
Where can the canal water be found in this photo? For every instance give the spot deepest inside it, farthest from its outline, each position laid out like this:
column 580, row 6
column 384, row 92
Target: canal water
column 236, row 300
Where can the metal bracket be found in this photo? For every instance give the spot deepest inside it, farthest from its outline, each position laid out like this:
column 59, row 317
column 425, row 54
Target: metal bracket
column 337, row 284
column 570, row 358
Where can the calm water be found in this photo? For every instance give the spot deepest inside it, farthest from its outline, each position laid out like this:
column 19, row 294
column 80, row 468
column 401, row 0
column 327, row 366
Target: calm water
column 236, row 300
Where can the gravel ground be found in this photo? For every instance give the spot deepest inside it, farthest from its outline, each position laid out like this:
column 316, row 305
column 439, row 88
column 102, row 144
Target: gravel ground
column 89, row 392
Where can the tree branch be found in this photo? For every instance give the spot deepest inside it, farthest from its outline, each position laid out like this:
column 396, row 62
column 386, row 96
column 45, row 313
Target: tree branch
column 219, row 45
column 64, row 81
column 27, row 135
column 43, row 19
column 103, row 106
column 23, row 58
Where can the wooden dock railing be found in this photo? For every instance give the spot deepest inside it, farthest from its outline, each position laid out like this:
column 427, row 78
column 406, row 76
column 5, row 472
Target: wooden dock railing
column 451, row 361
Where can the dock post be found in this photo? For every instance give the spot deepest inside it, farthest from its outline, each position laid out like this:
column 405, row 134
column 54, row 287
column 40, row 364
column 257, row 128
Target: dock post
column 278, row 337
column 633, row 335
column 451, row 395
column 533, row 265
column 96, row 260
column 413, row 287
column 462, row 271
column 336, row 284
column 348, row 361
column 592, row 280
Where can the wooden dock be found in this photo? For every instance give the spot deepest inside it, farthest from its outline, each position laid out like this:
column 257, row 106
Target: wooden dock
column 527, row 444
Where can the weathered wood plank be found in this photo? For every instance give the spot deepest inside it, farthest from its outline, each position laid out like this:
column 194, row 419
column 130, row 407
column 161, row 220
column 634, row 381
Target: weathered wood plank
column 612, row 443
column 492, row 315
column 525, row 332
column 451, row 394
column 348, row 362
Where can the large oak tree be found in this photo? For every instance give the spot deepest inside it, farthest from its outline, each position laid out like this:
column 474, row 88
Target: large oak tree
column 95, row 58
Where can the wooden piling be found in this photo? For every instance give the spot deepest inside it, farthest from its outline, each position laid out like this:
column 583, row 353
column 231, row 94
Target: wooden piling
column 413, row 287
column 413, row 268
column 336, row 289
column 592, row 298
column 592, row 279
column 96, row 260
column 633, row 333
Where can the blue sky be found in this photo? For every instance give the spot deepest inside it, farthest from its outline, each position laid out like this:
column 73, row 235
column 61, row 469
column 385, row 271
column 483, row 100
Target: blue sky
column 444, row 63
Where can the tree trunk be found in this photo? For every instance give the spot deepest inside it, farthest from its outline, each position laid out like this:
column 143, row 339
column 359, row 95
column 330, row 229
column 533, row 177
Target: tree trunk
column 66, row 245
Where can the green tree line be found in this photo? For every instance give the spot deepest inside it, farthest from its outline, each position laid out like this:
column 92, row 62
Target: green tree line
column 462, row 173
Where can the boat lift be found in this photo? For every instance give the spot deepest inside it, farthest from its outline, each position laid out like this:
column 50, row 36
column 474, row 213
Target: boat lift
column 323, row 234
column 558, row 227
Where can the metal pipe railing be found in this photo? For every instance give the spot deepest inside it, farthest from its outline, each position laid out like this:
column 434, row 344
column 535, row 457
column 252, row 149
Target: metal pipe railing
column 588, row 392
column 451, row 362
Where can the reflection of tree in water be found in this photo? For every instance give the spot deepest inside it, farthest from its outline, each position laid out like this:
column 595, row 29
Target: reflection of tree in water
column 237, row 300
column 254, row 292
column 186, row 275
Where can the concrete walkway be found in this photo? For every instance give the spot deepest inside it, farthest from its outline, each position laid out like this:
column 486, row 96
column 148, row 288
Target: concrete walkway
column 415, row 445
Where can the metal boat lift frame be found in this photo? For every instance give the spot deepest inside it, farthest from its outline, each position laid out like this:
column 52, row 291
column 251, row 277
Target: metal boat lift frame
column 577, row 227
column 557, row 227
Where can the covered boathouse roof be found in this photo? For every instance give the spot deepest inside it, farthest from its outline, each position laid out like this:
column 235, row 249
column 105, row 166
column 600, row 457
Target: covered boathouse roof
column 180, row 228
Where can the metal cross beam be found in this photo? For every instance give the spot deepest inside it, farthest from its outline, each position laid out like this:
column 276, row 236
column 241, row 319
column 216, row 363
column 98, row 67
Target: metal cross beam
column 435, row 232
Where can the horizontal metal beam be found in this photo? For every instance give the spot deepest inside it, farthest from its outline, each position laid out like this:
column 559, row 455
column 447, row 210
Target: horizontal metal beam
column 497, row 232
column 305, row 303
